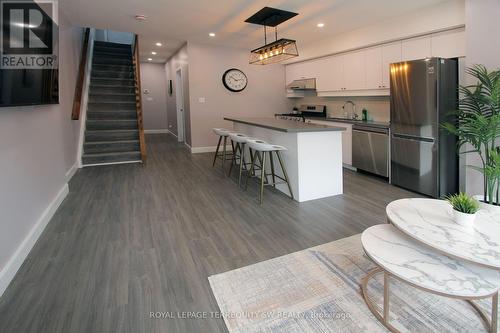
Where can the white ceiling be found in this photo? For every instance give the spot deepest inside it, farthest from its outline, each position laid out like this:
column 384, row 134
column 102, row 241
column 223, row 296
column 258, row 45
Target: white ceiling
column 173, row 22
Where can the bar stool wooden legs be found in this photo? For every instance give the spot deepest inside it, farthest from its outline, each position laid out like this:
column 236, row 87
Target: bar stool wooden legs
column 217, row 151
column 262, row 151
column 223, row 135
column 278, row 153
column 239, row 142
column 238, row 159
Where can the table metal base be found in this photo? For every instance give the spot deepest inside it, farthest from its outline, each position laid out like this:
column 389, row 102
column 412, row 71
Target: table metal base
column 491, row 326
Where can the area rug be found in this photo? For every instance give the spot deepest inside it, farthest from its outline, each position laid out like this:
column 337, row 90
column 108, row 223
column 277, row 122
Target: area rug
column 318, row 290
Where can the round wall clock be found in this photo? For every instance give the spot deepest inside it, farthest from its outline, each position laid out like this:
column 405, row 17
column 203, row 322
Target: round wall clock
column 234, row 80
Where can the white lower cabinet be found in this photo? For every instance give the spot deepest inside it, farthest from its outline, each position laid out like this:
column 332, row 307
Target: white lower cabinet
column 346, row 138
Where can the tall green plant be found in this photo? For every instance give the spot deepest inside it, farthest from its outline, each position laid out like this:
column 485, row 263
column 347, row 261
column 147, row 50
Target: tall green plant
column 478, row 124
column 492, row 172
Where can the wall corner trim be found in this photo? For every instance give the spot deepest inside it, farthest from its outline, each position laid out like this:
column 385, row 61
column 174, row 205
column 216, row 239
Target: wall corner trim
column 71, row 172
column 8, row 273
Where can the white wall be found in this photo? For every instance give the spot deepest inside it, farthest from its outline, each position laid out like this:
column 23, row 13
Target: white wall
column 441, row 16
column 263, row 97
column 38, row 147
column 154, row 103
column 178, row 61
column 482, row 47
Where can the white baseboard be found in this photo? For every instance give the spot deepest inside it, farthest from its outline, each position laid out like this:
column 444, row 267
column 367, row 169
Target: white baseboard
column 210, row 149
column 156, row 131
column 17, row 259
column 71, row 172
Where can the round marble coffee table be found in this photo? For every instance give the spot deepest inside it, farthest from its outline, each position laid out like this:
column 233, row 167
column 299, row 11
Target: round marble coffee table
column 430, row 222
column 401, row 257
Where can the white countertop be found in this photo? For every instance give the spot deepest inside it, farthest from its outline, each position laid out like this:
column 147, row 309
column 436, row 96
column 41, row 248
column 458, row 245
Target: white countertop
column 430, row 221
column 413, row 262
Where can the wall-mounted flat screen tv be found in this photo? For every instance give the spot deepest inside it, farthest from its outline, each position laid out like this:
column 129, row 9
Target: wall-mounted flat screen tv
column 29, row 72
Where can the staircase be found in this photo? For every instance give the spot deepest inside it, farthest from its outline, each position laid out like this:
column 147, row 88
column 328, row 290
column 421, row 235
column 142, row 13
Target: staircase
column 112, row 130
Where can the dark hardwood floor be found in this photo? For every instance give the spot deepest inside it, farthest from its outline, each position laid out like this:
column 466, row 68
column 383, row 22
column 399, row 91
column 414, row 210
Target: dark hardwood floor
column 131, row 239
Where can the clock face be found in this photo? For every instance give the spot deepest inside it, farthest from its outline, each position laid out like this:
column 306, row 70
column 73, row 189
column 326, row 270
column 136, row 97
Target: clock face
column 234, row 80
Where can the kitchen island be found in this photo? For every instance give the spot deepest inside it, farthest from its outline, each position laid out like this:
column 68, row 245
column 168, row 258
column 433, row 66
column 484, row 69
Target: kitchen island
column 313, row 159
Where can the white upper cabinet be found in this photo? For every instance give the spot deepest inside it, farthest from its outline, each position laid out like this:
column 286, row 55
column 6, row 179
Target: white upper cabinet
column 391, row 53
column 366, row 72
column 354, row 70
column 377, row 62
column 331, row 75
column 292, row 72
column 448, row 44
column 341, row 72
column 416, row 48
column 373, row 66
column 301, row 70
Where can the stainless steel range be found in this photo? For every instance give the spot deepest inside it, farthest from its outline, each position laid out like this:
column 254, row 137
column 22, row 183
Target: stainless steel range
column 304, row 111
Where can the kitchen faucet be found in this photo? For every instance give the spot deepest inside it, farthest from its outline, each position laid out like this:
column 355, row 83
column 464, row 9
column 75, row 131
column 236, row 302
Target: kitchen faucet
column 353, row 114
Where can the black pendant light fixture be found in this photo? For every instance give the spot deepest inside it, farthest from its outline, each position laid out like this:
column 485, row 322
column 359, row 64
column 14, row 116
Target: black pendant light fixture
column 279, row 50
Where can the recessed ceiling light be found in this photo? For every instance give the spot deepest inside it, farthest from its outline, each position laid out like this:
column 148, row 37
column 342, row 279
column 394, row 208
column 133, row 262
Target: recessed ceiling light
column 150, row 59
column 141, row 17
column 212, row 34
column 153, row 53
column 320, row 25
column 159, row 44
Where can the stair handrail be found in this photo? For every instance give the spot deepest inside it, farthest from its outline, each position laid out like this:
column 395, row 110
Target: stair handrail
column 77, row 100
column 138, row 97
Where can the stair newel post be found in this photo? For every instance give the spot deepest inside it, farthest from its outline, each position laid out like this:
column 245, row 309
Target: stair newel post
column 138, row 98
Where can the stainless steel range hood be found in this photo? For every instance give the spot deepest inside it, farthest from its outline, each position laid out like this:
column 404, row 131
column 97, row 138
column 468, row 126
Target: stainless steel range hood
column 302, row 84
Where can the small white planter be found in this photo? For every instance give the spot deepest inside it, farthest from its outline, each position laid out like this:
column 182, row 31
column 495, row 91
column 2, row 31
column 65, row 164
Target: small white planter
column 486, row 206
column 464, row 219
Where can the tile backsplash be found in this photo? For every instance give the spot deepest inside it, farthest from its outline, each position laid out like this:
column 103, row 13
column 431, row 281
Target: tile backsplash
column 378, row 107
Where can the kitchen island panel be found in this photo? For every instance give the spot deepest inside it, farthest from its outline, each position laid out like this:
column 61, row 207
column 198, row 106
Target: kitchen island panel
column 313, row 160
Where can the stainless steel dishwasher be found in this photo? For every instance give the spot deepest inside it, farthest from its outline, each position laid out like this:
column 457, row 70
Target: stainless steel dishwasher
column 370, row 149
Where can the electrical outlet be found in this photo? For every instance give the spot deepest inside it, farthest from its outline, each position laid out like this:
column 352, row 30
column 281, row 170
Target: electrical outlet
column 201, row 99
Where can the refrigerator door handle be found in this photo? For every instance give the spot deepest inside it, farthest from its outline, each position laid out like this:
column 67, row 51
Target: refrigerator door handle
column 413, row 137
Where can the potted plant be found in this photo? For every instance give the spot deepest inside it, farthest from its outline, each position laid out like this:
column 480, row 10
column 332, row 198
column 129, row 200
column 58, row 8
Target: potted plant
column 478, row 128
column 464, row 208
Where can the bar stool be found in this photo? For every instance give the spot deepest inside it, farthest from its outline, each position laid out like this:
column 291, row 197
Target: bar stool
column 260, row 149
column 239, row 141
column 223, row 134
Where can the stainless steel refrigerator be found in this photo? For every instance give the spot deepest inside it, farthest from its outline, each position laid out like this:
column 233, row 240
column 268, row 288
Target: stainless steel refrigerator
column 424, row 156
